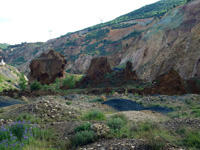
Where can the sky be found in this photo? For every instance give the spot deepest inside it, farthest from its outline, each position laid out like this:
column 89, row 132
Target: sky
column 41, row 20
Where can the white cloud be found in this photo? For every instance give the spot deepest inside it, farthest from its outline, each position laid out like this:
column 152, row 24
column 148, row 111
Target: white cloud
column 31, row 20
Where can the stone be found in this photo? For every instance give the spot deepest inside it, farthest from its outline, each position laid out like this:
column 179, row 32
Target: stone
column 100, row 129
column 24, row 99
column 103, row 97
column 47, row 67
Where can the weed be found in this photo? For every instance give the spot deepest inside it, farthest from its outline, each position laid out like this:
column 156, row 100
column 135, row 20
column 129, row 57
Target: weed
column 68, row 103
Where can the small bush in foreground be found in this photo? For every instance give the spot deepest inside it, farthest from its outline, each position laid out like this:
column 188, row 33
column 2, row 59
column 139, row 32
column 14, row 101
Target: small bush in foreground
column 84, row 137
column 118, row 125
column 94, row 115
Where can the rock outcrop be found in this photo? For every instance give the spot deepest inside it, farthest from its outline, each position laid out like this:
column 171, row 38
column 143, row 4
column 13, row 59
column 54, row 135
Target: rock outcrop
column 47, row 67
column 96, row 72
column 127, row 73
column 168, row 84
column 98, row 67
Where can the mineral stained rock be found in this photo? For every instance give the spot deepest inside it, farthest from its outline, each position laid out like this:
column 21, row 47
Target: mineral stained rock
column 47, row 67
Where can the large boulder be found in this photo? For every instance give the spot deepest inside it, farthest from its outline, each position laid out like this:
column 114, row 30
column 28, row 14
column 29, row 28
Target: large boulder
column 47, row 67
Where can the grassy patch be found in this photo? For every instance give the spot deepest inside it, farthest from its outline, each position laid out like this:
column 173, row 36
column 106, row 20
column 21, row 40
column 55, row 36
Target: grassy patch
column 83, row 127
column 192, row 139
column 94, row 115
column 84, row 137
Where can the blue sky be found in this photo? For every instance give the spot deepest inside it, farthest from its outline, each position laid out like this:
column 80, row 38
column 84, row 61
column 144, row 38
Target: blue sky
column 31, row 20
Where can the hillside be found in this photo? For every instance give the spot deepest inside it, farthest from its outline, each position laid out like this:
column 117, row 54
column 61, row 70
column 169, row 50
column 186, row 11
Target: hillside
column 152, row 42
column 9, row 77
column 3, row 46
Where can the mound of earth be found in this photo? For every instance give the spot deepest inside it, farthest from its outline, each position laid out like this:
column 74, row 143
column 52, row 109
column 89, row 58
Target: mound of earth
column 26, row 93
column 47, row 110
column 47, row 67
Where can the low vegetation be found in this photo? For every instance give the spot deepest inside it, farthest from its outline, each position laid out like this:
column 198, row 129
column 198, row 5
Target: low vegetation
column 94, row 115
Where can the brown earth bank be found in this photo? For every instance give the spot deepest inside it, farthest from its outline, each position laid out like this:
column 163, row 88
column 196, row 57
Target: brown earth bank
column 27, row 93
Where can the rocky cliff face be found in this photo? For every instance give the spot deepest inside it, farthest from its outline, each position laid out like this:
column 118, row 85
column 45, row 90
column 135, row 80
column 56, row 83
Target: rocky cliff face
column 152, row 45
column 172, row 42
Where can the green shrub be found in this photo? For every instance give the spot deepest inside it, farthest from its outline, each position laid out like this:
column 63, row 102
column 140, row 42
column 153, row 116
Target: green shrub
column 83, row 127
column 118, row 125
column 68, row 103
column 121, row 116
column 94, row 115
column 22, row 82
column 84, row 137
column 35, row 86
column 115, row 123
column 69, row 81
column 45, row 87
